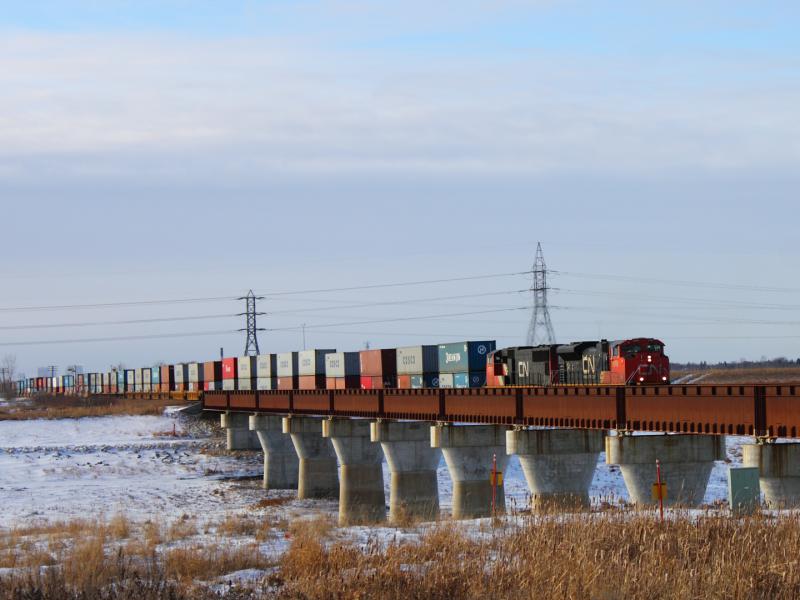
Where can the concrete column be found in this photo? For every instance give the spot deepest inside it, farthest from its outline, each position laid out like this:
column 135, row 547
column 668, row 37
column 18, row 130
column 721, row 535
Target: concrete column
column 361, row 496
column 280, row 459
column 779, row 468
column 686, row 464
column 559, row 464
column 414, row 490
column 318, row 475
column 468, row 451
column 239, row 436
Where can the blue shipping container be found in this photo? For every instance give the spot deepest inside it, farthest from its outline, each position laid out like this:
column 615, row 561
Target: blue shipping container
column 430, row 380
column 464, row 357
column 155, row 378
column 476, row 379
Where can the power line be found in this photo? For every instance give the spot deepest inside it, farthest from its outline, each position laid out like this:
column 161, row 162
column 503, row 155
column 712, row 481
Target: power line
column 693, row 284
column 120, row 338
column 125, row 322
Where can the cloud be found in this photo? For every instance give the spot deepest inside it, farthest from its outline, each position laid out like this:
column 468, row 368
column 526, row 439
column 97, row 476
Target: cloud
column 86, row 106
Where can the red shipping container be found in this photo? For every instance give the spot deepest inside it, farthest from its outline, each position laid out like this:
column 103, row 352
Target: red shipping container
column 375, row 363
column 404, row 382
column 230, row 368
column 343, row 383
column 374, row 383
column 310, row 382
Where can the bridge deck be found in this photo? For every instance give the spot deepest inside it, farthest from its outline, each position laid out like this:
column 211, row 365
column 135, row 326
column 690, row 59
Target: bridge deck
column 772, row 410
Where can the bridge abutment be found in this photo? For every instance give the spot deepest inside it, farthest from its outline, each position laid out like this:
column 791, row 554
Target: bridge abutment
column 686, row 464
column 413, row 463
column 237, row 432
column 779, row 469
column 318, row 475
column 361, row 496
column 281, row 464
column 559, row 464
column 468, row 451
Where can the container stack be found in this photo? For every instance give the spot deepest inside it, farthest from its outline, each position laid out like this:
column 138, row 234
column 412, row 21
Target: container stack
column 463, row 365
column 181, row 375
column 212, row 375
column 147, row 379
column 167, row 378
column 195, row 377
column 230, row 370
column 155, row 379
column 378, row 369
column 343, row 371
column 418, row 367
column 266, row 371
column 311, row 369
column 246, row 373
column 288, row 371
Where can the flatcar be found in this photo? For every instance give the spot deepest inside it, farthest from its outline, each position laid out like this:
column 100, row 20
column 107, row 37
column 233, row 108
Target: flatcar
column 639, row 361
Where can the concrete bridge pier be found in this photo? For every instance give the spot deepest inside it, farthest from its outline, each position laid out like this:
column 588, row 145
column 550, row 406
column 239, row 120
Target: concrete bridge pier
column 281, row 464
column 361, row 496
column 779, row 468
column 559, row 464
column 414, row 490
column 317, row 475
column 239, row 436
column 686, row 464
column 468, row 451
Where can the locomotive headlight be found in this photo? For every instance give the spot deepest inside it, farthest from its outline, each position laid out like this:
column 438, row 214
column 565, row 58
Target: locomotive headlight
column 663, row 379
column 649, row 359
column 641, row 379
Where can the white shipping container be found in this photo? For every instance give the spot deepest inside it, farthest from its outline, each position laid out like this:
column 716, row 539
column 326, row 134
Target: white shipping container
column 147, row 376
column 244, row 384
column 229, row 385
column 178, row 374
column 138, row 379
column 342, row 364
column 245, row 367
column 312, row 362
column 446, row 380
column 287, row 363
column 264, row 383
column 264, row 366
column 194, row 373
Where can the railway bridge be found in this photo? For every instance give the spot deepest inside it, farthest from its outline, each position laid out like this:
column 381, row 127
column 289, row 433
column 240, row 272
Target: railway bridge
column 331, row 443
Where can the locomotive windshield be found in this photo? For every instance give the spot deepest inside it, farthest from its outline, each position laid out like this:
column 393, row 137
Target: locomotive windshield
column 655, row 348
column 632, row 350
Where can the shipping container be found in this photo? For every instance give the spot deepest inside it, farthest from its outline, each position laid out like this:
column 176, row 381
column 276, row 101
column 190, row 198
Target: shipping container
column 266, row 366
column 230, row 367
column 464, row 357
column 476, row 379
column 229, row 385
column 343, row 364
column 156, row 378
column 265, row 383
column 379, row 363
column 311, row 382
column 288, row 367
column 212, row 375
column 428, row 380
column 167, row 378
column 351, row 382
column 417, row 360
column 312, row 362
column 147, row 379
column 246, row 372
column 195, row 375
column 378, row 383
column 446, row 381
column 138, row 382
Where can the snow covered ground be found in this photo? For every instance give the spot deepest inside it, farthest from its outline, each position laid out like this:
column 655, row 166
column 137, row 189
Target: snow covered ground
column 79, row 468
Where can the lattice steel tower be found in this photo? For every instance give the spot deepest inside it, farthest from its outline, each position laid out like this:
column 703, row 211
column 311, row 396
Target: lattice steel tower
column 251, row 345
column 540, row 330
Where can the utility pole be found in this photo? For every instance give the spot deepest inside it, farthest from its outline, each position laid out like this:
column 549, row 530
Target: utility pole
column 251, row 345
column 540, row 330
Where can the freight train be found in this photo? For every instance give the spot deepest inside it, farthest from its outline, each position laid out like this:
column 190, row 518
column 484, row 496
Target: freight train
column 639, row 361
column 461, row 365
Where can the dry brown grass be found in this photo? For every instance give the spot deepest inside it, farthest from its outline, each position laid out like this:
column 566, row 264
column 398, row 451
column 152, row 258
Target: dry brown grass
column 71, row 407
column 588, row 556
column 608, row 556
column 755, row 375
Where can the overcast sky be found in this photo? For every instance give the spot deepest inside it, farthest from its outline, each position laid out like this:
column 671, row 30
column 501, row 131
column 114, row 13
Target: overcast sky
column 183, row 150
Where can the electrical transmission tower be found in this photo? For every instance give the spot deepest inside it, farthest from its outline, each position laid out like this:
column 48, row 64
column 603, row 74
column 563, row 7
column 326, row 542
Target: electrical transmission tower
column 251, row 345
column 540, row 330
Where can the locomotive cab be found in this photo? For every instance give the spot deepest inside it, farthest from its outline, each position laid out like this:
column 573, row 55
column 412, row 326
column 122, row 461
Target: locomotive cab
column 639, row 362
